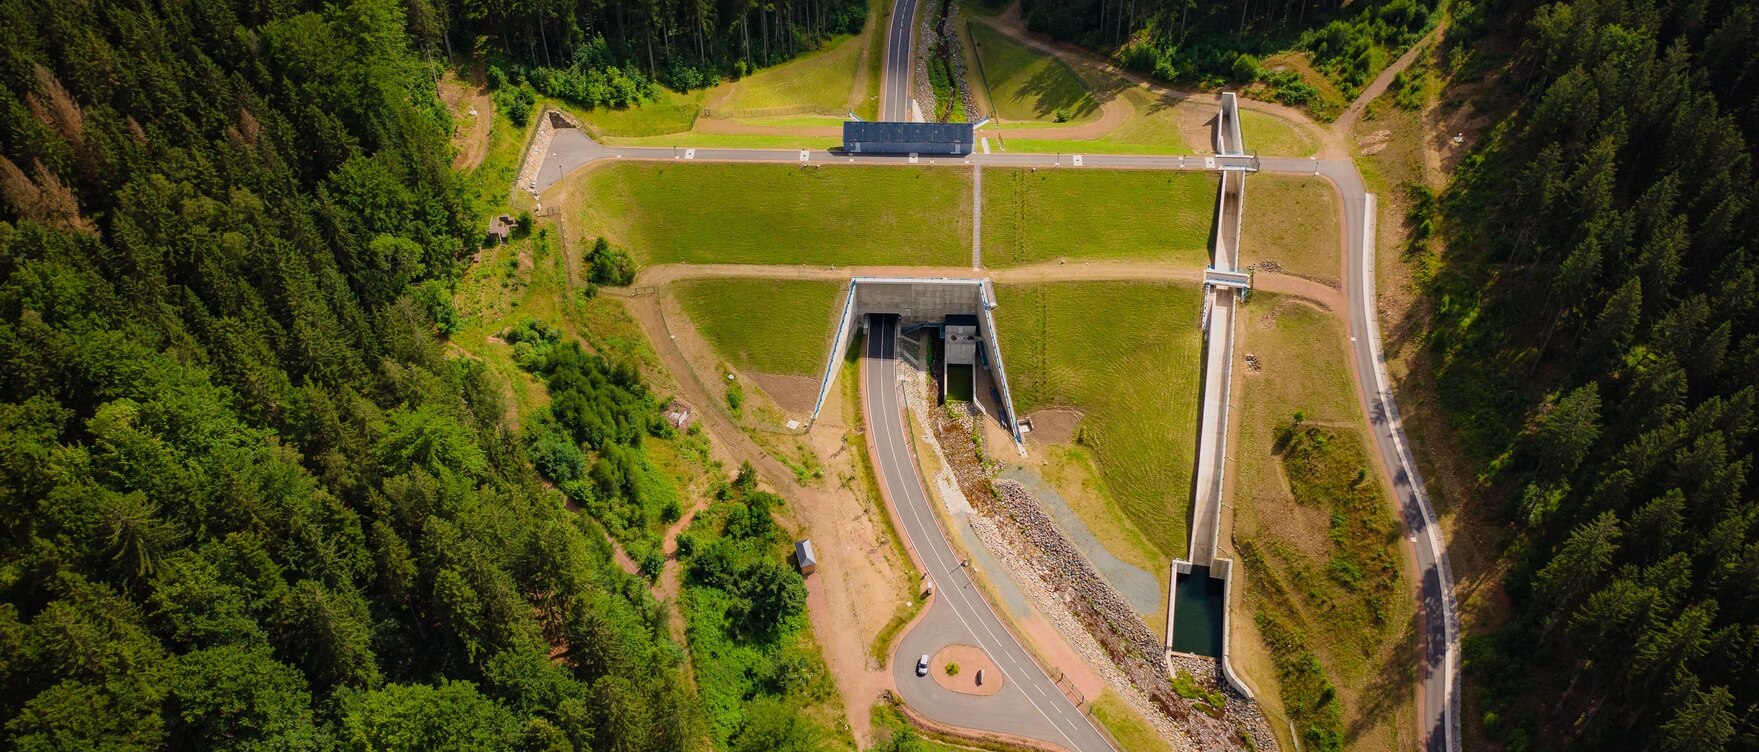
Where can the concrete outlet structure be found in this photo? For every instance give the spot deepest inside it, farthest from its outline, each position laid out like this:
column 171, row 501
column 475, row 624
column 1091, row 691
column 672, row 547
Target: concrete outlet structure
column 963, row 306
column 1225, row 288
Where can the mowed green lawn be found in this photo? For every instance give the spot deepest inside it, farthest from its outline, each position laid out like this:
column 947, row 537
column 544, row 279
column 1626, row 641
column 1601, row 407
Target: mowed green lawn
column 764, row 325
column 1135, row 215
column 1153, row 128
column 672, row 112
column 822, row 80
column 1272, row 136
column 1129, row 355
column 1292, row 221
column 672, row 212
column 1027, row 85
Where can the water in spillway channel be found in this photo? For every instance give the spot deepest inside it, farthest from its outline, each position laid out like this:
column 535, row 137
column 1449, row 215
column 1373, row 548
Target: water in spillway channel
column 1197, row 613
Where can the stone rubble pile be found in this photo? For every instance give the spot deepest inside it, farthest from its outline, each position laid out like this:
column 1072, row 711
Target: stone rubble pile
column 1208, row 673
column 534, row 156
column 925, row 46
column 950, row 32
column 928, row 40
column 1127, row 641
column 1055, row 608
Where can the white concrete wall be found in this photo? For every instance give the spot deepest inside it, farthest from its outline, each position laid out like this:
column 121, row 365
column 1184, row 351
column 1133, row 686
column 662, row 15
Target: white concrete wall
column 920, row 300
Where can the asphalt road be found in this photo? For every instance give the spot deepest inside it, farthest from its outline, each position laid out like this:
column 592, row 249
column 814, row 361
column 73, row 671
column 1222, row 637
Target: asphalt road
column 1029, row 704
column 1439, row 683
column 1439, row 676
column 895, row 93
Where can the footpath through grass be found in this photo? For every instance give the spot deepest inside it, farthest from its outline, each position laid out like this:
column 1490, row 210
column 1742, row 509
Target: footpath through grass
column 1027, row 85
column 1292, row 221
column 1135, row 215
column 1129, row 356
column 1314, row 526
column 778, row 213
column 768, row 326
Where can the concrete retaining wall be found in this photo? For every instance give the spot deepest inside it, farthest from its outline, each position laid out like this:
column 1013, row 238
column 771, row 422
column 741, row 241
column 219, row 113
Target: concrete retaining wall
column 548, row 122
column 920, row 300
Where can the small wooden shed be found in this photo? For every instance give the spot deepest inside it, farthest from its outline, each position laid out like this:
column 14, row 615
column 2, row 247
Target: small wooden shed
column 500, row 229
column 804, row 557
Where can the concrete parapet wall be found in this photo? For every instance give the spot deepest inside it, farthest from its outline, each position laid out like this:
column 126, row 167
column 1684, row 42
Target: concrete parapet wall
column 548, row 122
column 920, row 300
column 1225, row 568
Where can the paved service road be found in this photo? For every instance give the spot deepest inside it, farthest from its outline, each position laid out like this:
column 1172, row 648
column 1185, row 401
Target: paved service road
column 895, row 93
column 1029, row 704
column 1439, row 675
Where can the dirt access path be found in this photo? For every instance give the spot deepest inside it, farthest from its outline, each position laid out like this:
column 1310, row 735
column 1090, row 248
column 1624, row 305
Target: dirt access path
column 473, row 111
column 659, row 275
column 1341, row 127
column 843, row 593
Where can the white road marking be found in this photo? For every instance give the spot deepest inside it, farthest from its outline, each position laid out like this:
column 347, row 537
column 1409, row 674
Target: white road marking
column 893, row 412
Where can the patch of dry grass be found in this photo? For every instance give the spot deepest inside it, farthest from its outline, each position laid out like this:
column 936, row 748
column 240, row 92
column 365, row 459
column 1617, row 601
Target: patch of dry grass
column 1292, row 221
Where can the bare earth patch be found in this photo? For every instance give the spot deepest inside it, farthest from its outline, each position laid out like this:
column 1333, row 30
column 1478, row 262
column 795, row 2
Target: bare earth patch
column 473, row 111
column 970, row 660
column 1054, row 426
column 794, row 394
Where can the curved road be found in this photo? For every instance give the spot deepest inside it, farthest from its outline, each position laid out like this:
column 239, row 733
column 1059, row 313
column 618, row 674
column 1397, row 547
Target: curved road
column 1439, row 689
column 1029, row 704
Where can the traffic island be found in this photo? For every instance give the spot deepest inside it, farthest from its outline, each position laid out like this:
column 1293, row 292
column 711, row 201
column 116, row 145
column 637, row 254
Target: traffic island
column 965, row 669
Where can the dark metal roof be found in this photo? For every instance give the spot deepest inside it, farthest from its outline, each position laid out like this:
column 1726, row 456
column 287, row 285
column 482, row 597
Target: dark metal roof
column 912, row 133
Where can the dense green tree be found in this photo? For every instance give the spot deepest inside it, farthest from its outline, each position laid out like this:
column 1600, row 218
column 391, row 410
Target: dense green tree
column 416, row 717
column 1599, row 273
column 238, row 698
column 246, row 501
column 771, row 726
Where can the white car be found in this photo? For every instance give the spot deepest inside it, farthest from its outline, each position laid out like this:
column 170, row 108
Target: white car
column 922, row 665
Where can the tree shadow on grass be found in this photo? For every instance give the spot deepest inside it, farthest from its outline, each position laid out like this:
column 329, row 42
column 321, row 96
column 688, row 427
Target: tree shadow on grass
column 1391, row 687
column 1052, row 88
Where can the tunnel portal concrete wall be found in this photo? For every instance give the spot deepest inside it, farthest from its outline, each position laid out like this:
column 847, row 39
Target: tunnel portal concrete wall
column 917, row 300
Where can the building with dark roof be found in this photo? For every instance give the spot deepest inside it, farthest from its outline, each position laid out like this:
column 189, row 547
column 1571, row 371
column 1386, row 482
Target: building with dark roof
column 860, row 137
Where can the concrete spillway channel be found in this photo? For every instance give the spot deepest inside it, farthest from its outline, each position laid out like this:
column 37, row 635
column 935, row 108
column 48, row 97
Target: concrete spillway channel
column 1202, row 583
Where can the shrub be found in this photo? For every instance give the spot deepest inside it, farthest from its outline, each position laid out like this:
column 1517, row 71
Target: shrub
column 1296, row 94
column 434, row 297
column 516, row 102
column 735, row 396
column 1246, row 68
column 609, row 266
column 534, row 331
column 653, row 561
column 952, row 669
column 557, row 456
